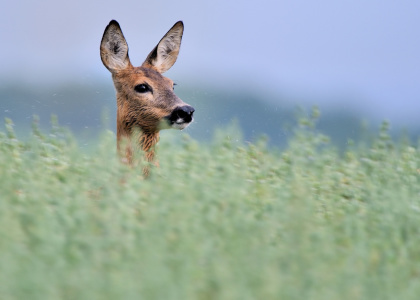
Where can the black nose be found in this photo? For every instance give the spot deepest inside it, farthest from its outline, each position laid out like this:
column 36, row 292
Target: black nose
column 183, row 112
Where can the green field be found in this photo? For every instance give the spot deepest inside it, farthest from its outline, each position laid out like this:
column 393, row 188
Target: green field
column 222, row 220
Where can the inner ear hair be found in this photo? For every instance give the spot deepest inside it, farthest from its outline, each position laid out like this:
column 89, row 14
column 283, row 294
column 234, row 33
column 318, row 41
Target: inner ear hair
column 114, row 48
column 164, row 55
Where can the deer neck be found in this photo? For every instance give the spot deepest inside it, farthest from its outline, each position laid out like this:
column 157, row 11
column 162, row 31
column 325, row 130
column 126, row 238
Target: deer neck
column 147, row 142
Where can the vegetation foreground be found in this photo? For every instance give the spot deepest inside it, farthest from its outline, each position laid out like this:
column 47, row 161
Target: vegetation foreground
column 227, row 220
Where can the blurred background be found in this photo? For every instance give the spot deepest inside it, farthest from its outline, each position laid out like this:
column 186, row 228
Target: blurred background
column 252, row 62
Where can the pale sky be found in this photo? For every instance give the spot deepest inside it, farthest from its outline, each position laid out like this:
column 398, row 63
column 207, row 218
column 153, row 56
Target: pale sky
column 366, row 51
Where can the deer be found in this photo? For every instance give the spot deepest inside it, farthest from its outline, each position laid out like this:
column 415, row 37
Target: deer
column 146, row 101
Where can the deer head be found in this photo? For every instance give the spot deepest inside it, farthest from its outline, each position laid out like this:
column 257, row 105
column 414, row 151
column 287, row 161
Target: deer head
column 145, row 98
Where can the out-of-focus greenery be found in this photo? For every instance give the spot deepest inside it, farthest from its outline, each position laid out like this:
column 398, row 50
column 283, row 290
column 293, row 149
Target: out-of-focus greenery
column 223, row 220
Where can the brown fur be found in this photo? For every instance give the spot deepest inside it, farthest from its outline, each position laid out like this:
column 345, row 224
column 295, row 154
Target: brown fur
column 143, row 111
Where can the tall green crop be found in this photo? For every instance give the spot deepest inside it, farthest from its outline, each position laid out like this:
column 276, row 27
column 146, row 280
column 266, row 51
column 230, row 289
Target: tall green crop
column 225, row 220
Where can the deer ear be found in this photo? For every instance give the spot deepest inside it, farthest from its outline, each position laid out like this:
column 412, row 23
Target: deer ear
column 114, row 48
column 164, row 55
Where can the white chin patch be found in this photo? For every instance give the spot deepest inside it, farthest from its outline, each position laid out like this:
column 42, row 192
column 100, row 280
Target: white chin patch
column 180, row 124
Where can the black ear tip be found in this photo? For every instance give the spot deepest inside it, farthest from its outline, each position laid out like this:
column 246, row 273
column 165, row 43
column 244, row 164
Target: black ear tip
column 113, row 23
column 179, row 23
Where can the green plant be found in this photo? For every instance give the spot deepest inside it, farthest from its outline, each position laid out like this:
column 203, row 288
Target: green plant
column 225, row 220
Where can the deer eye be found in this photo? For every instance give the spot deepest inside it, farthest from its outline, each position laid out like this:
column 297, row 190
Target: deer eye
column 142, row 88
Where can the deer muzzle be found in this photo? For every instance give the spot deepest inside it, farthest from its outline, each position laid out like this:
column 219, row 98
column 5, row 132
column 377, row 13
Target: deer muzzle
column 181, row 117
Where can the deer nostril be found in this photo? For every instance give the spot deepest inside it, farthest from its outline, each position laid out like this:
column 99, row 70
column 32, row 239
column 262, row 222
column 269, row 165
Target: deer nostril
column 185, row 112
column 182, row 113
